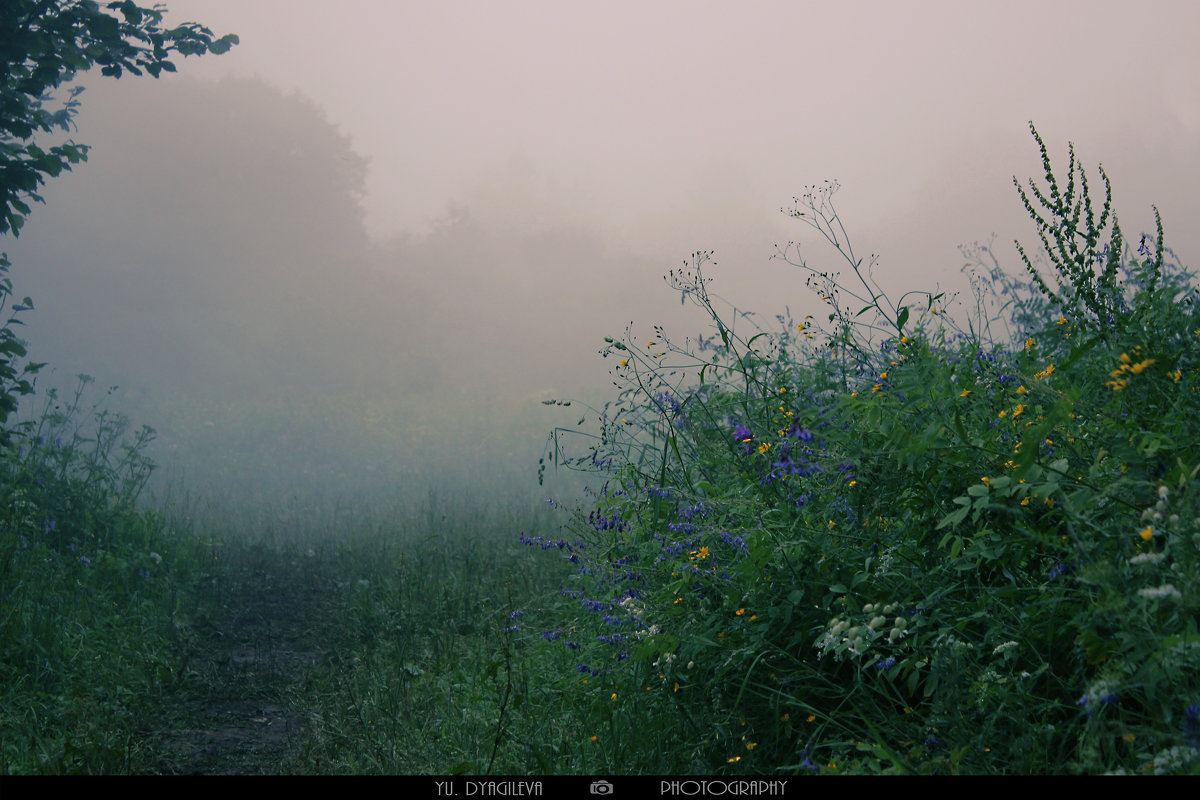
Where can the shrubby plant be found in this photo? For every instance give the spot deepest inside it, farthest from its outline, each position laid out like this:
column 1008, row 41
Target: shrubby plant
column 896, row 540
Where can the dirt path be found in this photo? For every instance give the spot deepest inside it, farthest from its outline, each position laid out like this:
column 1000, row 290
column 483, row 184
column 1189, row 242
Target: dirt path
column 241, row 709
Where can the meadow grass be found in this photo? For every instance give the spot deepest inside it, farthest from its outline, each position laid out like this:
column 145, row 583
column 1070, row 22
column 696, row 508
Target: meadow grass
column 916, row 536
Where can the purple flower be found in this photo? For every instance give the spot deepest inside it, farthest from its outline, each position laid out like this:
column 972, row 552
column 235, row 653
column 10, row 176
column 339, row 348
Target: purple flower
column 1191, row 725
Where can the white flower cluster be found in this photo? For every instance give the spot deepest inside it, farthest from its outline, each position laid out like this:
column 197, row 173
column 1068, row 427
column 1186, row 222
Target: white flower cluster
column 1174, row 759
column 1158, row 511
column 1166, row 590
column 843, row 636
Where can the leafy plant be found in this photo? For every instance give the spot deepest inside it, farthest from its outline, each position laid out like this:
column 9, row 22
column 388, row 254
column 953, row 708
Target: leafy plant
column 45, row 44
column 900, row 544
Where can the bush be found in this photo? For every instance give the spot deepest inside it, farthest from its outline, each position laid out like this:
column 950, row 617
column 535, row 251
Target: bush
column 900, row 542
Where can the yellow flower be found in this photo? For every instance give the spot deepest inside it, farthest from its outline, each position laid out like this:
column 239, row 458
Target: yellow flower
column 1147, row 533
column 1028, row 343
column 1022, row 390
column 964, row 393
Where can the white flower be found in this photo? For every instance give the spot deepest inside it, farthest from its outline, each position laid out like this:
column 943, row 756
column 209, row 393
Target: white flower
column 1166, row 590
column 1147, row 558
column 1000, row 648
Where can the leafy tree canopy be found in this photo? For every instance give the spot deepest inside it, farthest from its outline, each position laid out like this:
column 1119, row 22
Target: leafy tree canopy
column 43, row 44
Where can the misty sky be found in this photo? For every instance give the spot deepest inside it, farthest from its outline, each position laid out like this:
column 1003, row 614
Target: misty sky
column 372, row 219
column 693, row 122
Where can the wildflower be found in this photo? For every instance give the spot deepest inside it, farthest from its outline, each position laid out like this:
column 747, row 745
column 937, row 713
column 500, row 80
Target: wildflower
column 1166, row 590
column 1028, row 344
column 1049, row 370
column 964, row 393
column 1022, row 390
column 1147, row 533
column 886, row 664
column 1191, row 725
column 1137, row 368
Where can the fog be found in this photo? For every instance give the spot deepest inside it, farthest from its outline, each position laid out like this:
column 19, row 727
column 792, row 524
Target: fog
column 356, row 252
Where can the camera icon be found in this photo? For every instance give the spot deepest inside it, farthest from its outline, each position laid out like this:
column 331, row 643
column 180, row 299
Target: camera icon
column 601, row 787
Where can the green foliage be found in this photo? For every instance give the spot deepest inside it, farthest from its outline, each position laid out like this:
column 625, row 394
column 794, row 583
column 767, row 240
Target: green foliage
column 901, row 543
column 88, row 582
column 44, row 45
column 1071, row 238
column 16, row 374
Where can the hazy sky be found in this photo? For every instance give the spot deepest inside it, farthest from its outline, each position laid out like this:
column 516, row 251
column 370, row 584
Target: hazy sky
column 205, row 252
column 697, row 118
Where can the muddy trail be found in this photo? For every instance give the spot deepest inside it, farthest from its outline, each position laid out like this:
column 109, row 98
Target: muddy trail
column 251, row 650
